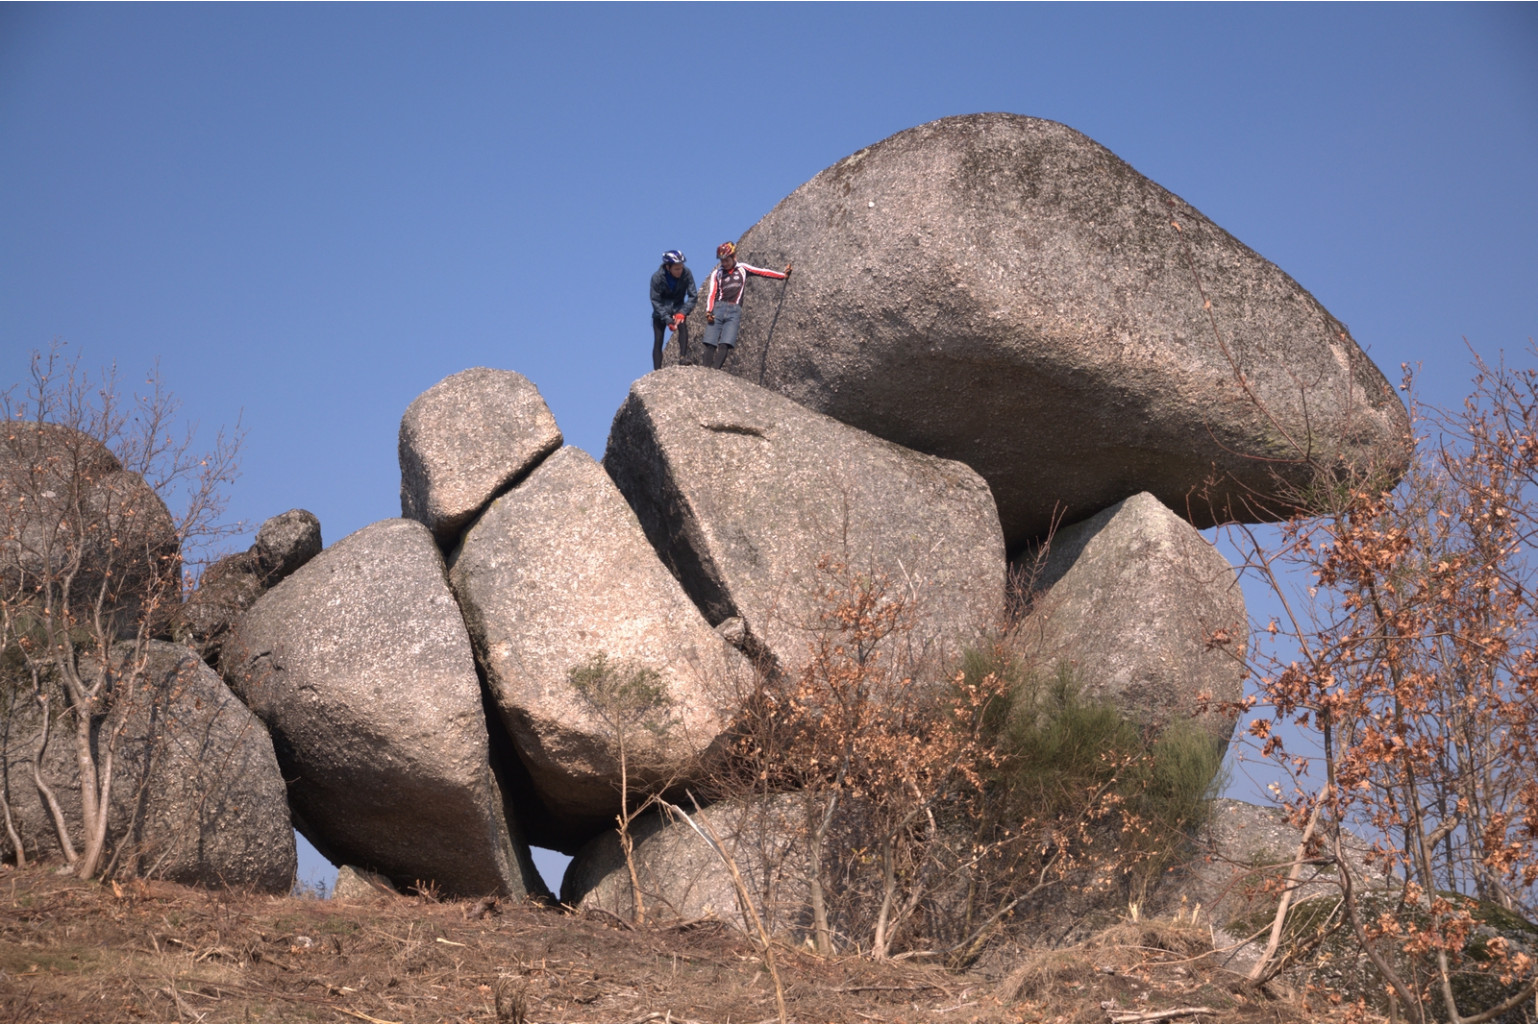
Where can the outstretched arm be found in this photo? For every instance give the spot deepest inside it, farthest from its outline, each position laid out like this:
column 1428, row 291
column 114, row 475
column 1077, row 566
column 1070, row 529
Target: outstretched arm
column 761, row 272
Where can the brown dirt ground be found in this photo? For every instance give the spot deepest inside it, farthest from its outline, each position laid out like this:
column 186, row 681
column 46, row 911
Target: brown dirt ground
column 91, row 953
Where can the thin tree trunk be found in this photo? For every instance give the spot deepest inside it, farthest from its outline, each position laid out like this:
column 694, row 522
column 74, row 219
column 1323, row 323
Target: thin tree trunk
column 1258, row 972
column 888, row 889
column 10, row 831
column 821, row 930
column 637, row 904
column 45, row 792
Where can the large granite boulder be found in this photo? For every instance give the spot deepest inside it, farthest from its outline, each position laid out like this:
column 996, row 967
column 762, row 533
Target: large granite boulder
column 554, row 574
column 232, row 584
column 1145, row 612
column 196, row 794
column 1004, row 291
column 360, row 665
column 71, row 514
column 465, row 440
column 743, row 492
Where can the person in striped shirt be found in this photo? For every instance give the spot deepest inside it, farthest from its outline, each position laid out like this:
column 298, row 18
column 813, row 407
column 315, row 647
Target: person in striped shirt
column 723, row 302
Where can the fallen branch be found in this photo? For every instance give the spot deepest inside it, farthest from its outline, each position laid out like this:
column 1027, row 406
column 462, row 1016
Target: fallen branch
column 890, row 988
column 364, row 1016
column 667, row 1017
column 1133, row 1017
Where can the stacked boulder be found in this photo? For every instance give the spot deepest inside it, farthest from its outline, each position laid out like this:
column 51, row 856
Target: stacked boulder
column 554, row 574
column 995, row 328
column 1142, row 611
column 465, row 440
column 427, row 708
column 742, row 492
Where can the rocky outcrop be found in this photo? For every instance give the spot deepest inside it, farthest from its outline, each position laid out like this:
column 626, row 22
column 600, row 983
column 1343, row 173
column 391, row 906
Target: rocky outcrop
column 743, row 493
column 360, row 665
column 1144, row 612
column 232, row 584
column 555, row 573
column 1004, row 291
column 70, row 513
column 196, row 795
column 465, row 440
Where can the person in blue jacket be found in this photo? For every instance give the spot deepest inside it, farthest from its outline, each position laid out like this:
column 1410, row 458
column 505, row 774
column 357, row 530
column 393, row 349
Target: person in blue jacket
column 672, row 298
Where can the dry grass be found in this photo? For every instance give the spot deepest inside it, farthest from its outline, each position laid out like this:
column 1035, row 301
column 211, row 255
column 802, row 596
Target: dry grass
column 86, row 953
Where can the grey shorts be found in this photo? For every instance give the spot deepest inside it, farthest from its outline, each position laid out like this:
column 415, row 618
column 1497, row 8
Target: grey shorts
column 724, row 330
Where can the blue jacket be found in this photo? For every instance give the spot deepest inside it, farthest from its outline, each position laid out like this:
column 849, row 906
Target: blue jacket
column 672, row 295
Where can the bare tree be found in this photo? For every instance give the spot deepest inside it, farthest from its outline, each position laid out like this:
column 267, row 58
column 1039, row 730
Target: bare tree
column 878, row 750
column 633, row 703
column 1408, row 657
column 92, row 562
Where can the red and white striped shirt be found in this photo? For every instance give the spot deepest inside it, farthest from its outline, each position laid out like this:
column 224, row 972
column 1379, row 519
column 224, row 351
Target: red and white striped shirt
column 729, row 287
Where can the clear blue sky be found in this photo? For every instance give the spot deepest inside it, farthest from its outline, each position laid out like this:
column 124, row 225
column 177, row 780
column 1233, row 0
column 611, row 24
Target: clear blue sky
column 309, row 214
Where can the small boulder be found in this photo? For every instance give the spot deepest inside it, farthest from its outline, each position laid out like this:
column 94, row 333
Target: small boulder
column 360, row 665
column 226, row 590
column 555, row 574
column 229, row 587
column 355, row 885
column 465, row 440
column 1004, row 291
column 683, row 878
column 285, row 542
column 1239, row 864
column 744, row 492
column 1242, row 854
column 1145, row 612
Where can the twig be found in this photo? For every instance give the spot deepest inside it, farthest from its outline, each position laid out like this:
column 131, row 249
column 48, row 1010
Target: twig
column 364, row 1016
column 706, row 832
column 182, row 1009
column 1133, row 1017
column 619, row 922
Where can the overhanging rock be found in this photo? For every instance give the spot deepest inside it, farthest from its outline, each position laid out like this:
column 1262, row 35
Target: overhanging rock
column 1004, row 291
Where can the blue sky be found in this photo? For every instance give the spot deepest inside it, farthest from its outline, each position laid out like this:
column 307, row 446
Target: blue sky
column 309, row 214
